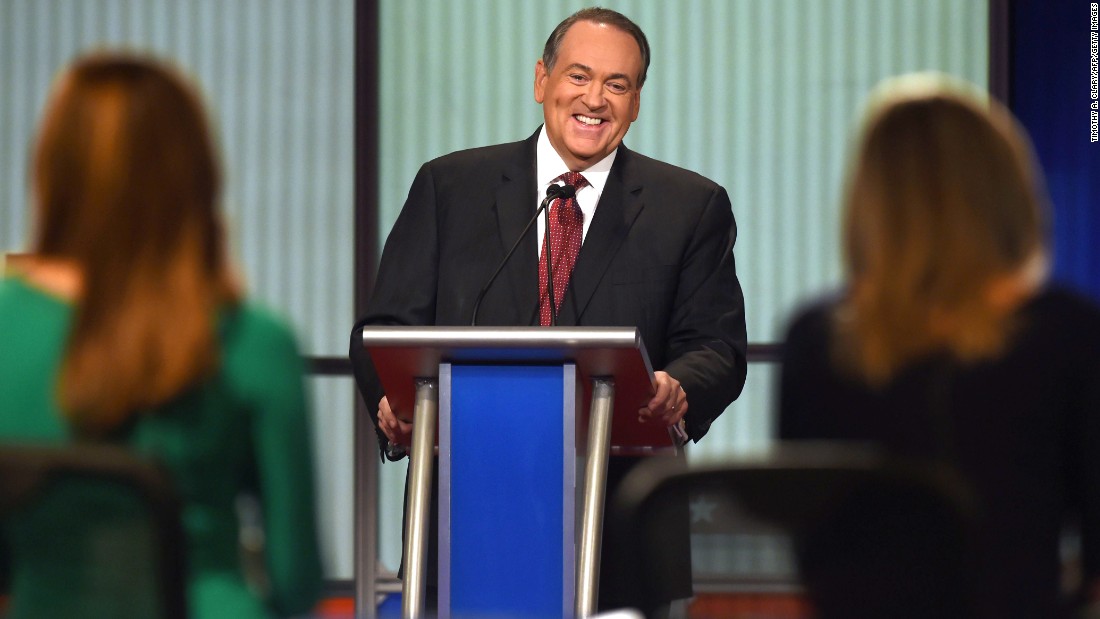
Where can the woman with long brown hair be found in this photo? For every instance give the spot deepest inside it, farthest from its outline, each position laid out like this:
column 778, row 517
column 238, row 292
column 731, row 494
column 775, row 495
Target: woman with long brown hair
column 126, row 325
column 946, row 342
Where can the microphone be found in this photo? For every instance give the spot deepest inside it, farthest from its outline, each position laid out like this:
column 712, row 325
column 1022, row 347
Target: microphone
column 553, row 192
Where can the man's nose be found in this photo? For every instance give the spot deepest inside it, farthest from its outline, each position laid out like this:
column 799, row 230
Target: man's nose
column 594, row 96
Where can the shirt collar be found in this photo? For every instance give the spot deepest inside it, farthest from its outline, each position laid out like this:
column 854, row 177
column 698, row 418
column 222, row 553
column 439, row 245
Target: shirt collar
column 549, row 165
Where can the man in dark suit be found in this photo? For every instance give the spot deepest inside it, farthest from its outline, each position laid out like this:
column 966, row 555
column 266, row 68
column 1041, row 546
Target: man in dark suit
column 656, row 253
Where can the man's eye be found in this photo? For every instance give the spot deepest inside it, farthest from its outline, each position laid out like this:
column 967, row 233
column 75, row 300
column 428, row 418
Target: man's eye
column 616, row 87
column 576, row 78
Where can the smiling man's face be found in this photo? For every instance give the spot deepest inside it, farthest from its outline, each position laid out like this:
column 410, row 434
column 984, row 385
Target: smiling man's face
column 591, row 95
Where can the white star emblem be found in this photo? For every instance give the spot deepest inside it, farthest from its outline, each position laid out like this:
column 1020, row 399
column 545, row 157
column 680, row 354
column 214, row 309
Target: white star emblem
column 702, row 509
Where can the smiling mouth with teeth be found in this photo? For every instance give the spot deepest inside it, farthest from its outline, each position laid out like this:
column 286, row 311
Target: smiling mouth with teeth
column 587, row 120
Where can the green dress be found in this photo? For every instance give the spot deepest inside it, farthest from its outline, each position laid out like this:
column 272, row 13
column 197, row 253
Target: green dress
column 246, row 430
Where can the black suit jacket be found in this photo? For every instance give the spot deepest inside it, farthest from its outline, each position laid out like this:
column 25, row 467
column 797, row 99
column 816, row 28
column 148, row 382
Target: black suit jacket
column 657, row 256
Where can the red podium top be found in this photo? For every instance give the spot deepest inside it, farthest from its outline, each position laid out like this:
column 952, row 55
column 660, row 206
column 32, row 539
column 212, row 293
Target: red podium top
column 403, row 354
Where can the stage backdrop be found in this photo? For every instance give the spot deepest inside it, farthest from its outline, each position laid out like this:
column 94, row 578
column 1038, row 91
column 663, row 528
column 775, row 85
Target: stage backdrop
column 1056, row 94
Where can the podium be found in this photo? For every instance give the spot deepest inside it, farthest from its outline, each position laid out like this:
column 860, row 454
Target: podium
column 524, row 419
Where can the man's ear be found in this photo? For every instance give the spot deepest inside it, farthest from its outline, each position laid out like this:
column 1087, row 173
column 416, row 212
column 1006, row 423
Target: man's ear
column 541, row 76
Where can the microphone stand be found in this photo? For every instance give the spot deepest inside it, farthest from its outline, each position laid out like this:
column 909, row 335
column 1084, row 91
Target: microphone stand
column 549, row 270
column 552, row 192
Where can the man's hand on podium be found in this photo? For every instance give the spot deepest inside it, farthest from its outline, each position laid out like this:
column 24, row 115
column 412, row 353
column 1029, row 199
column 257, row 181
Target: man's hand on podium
column 667, row 407
column 669, row 403
column 398, row 431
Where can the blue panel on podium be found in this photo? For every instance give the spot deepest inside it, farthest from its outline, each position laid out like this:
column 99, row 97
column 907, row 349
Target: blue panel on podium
column 505, row 536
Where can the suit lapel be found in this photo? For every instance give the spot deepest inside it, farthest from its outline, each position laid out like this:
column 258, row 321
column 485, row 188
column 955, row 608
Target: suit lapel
column 619, row 206
column 515, row 204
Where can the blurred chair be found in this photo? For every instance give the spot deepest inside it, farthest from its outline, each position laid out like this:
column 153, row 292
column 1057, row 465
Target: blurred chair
column 809, row 530
column 91, row 531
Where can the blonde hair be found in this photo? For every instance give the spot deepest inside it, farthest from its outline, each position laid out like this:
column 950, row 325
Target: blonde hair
column 944, row 227
column 125, row 181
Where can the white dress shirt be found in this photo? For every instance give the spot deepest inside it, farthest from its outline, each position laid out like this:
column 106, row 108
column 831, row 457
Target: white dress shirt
column 549, row 166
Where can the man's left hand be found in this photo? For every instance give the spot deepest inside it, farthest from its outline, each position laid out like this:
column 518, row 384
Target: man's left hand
column 669, row 403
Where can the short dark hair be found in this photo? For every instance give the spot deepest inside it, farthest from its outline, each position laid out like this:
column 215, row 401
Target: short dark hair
column 600, row 16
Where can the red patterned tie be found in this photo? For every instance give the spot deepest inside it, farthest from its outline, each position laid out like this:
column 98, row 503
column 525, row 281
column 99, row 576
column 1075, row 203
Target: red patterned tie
column 564, row 238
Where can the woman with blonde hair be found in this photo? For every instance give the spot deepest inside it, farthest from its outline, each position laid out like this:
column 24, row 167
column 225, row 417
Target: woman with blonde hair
column 946, row 342
column 126, row 325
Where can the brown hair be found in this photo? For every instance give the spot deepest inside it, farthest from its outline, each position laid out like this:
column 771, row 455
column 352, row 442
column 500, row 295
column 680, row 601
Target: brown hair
column 600, row 16
column 944, row 229
column 125, row 182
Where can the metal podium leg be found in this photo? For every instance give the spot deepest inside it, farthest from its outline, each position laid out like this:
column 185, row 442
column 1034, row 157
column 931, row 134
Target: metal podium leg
column 595, row 481
column 419, row 500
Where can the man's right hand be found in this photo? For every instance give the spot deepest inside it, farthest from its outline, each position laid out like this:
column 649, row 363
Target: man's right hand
column 398, row 431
